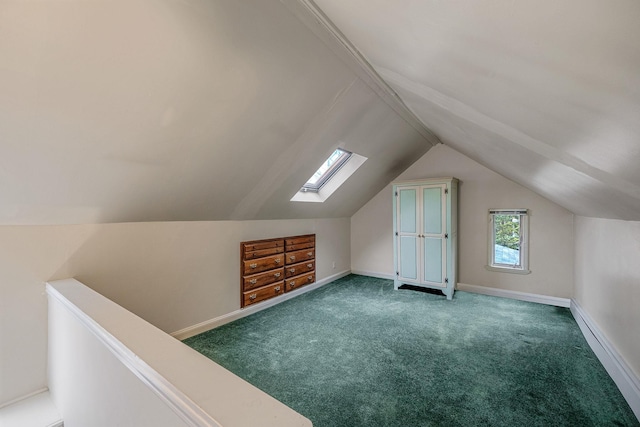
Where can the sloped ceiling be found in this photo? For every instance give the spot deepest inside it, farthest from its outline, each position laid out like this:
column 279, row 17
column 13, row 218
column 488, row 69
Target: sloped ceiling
column 546, row 93
column 152, row 110
column 158, row 110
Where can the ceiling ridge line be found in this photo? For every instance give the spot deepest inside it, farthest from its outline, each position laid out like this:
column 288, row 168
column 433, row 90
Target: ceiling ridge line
column 470, row 114
column 309, row 14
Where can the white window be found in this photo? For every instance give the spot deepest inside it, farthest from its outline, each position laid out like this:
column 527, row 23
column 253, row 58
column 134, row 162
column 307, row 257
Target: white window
column 509, row 240
column 330, row 166
column 333, row 172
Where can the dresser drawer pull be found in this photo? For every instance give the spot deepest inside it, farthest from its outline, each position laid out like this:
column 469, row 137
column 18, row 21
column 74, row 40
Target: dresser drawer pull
column 292, row 285
column 309, row 253
column 254, row 265
column 253, row 281
column 277, row 289
column 310, row 278
column 309, row 266
column 276, row 275
column 252, row 296
column 277, row 260
column 292, row 270
column 292, row 257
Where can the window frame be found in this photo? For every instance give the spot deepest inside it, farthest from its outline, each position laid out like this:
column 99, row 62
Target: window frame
column 523, row 266
column 329, row 173
column 338, row 177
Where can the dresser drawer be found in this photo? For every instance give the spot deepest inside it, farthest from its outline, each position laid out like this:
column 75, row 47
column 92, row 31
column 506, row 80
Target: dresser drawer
column 253, row 266
column 299, row 281
column 258, row 245
column 256, row 295
column 263, row 252
column 300, row 242
column 262, row 279
column 297, row 269
column 299, row 256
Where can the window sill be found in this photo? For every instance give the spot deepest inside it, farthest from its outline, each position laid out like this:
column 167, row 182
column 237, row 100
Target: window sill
column 507, row 270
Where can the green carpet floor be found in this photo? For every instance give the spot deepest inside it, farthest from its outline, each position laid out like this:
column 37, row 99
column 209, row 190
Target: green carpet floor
column 357, row 353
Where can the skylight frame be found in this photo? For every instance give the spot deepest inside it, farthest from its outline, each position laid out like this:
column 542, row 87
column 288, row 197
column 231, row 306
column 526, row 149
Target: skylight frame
column 320, row 177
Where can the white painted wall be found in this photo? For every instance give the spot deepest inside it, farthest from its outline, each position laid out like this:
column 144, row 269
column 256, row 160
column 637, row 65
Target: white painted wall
column 607, row 281
column 90, row 386
column 108, row 367
column 172, row 274
column 550, row 228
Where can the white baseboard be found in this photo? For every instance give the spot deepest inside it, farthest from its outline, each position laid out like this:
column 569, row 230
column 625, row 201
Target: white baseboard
column 522, row 296
column 25, row 397
column 373, row 274
column 37, row 409
column 624, row 377
column 201, row 327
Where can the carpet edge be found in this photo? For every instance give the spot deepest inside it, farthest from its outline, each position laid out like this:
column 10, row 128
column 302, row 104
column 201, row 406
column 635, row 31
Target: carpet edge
column 201, row 327
column 617, row 368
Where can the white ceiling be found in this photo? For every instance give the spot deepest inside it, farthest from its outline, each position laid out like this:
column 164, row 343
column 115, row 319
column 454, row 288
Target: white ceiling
column 546, row 93
column 150, row 110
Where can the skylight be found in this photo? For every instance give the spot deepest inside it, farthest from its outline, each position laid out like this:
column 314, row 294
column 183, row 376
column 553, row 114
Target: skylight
column 330, row 166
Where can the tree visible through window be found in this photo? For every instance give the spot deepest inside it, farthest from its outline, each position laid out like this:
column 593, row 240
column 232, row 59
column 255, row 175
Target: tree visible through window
column 507, row 229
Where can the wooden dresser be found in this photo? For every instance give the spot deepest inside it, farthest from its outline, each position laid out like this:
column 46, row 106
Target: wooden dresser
column 271, row 267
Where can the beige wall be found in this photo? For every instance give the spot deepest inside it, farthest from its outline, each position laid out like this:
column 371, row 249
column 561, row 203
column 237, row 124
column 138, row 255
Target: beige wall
column 607, row 281
column 550, row 228
column 172, row 274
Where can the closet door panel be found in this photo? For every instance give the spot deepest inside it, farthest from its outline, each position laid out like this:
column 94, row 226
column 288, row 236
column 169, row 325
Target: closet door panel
column 433, row 261
column 408, row 257
column 432, row 210
column 408, row 210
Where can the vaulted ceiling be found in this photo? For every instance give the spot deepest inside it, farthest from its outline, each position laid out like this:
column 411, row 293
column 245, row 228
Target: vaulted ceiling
column 546, row 93
column 146, row 110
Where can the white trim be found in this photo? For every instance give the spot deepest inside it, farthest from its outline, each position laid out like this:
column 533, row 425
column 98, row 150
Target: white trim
column 207, row 325
column 624, row 377
column 35, row 409
column 522, row 296
column 26, row 396
column 311, row 16
column 182, row 405
column 523, row 267
column 511, row 270
column 423, row 181
column 373, row 274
